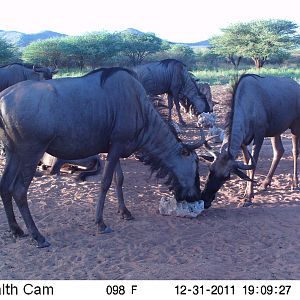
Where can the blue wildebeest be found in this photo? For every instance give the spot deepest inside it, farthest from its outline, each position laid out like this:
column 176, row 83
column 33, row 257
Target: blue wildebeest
column 16, row 72
column 116, row 117
column 12, row 73
column 172, row 77
column 261, row 107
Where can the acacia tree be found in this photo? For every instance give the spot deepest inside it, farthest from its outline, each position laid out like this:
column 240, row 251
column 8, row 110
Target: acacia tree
column 137, row 46
column 258, row 40
column 230, row 43
column 45, row 52
column 92, row 50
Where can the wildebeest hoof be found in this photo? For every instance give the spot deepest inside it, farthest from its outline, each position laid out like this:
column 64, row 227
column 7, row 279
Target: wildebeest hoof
column 105, row 230
column 125, row 214
column 19, row 233
column 43, row 244
column 247, row 203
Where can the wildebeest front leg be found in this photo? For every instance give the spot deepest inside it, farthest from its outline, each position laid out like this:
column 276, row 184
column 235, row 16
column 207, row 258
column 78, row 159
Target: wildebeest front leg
column 118, row 179
column 249, row 194
column 108, row 171
column 170, row 106
column 6, row 193
column 278, row 151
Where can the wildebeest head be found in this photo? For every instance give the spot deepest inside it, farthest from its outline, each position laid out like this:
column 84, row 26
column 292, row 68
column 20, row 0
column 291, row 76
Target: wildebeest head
column 223, row 164
column 187, row 175
column 197, row 95
column 45, row 72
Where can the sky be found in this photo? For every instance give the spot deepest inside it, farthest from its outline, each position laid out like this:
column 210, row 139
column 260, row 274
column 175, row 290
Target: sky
column 172, row 20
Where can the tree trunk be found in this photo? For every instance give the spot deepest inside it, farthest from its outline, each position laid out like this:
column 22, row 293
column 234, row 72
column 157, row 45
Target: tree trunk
column 235, row 61
column 259, row 62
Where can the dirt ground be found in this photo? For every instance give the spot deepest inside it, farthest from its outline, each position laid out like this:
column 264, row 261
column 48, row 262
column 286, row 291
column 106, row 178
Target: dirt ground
column 226, row 241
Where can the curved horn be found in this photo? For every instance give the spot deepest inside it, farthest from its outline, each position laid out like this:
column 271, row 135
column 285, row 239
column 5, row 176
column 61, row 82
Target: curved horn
column 198, row 144
column 243, row 166
column 210, row 151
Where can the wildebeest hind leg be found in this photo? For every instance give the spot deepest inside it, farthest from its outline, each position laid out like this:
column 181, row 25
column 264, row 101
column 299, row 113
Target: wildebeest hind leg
column 6, row 193
column 20, row 187
column 278, row 151
column 295, row 141
column 118, row 179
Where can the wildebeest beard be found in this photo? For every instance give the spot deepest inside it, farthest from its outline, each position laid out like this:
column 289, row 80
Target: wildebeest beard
column 157, row 166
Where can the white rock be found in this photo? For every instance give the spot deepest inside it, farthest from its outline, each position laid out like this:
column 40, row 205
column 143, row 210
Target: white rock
column 206, row 120
column 217, row 133
column 168, row 206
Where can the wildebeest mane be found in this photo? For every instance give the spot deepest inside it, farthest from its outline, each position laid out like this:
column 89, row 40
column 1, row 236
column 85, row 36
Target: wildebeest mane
column 107, row 72
column 230, row 114
column 157, row 165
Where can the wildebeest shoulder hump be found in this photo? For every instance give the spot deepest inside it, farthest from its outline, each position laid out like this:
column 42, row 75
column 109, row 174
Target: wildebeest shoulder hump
column 107, row 72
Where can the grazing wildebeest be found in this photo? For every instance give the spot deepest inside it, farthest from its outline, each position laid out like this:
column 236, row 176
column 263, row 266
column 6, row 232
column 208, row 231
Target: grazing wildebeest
column 204, row 88
column 172, row 77
column 261, row 107
column 116, row 117
column 92, row 165
column 16, row 72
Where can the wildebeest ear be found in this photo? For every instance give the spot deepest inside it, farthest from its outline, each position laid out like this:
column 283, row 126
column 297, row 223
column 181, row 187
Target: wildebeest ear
column 207, row 158
column 241, row 174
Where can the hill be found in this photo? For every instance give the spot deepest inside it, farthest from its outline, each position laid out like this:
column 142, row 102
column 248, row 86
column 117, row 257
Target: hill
column 21, row 39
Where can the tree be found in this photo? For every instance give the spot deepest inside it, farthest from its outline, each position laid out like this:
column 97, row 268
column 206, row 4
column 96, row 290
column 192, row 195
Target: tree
column 92, row 49
column 137, row 46
column 183, row 53
column 230, row 43
column 258, row 40
column 8, row 53
column 44, row 52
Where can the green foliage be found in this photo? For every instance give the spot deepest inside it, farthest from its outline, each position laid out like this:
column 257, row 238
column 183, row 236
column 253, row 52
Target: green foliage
column 183, row 53
column 8, row 52
column 93, row 49
column 207, row 59
column 44, row 52
column 258, row 40
column 225, row 76
column 137, row 46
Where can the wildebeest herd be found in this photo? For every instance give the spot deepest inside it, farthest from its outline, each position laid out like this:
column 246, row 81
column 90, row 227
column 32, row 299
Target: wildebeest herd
column 109, row 110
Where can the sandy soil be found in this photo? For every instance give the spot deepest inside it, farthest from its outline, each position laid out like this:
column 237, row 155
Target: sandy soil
column 226, row 241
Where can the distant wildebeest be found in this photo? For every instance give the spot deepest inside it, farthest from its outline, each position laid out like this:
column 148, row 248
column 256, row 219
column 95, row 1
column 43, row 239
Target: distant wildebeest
column 12, row 73
column 15, row 72
column 92, row 165
column 172, row 77
column 261, row 107
column 205, row 89
column 116, row 117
